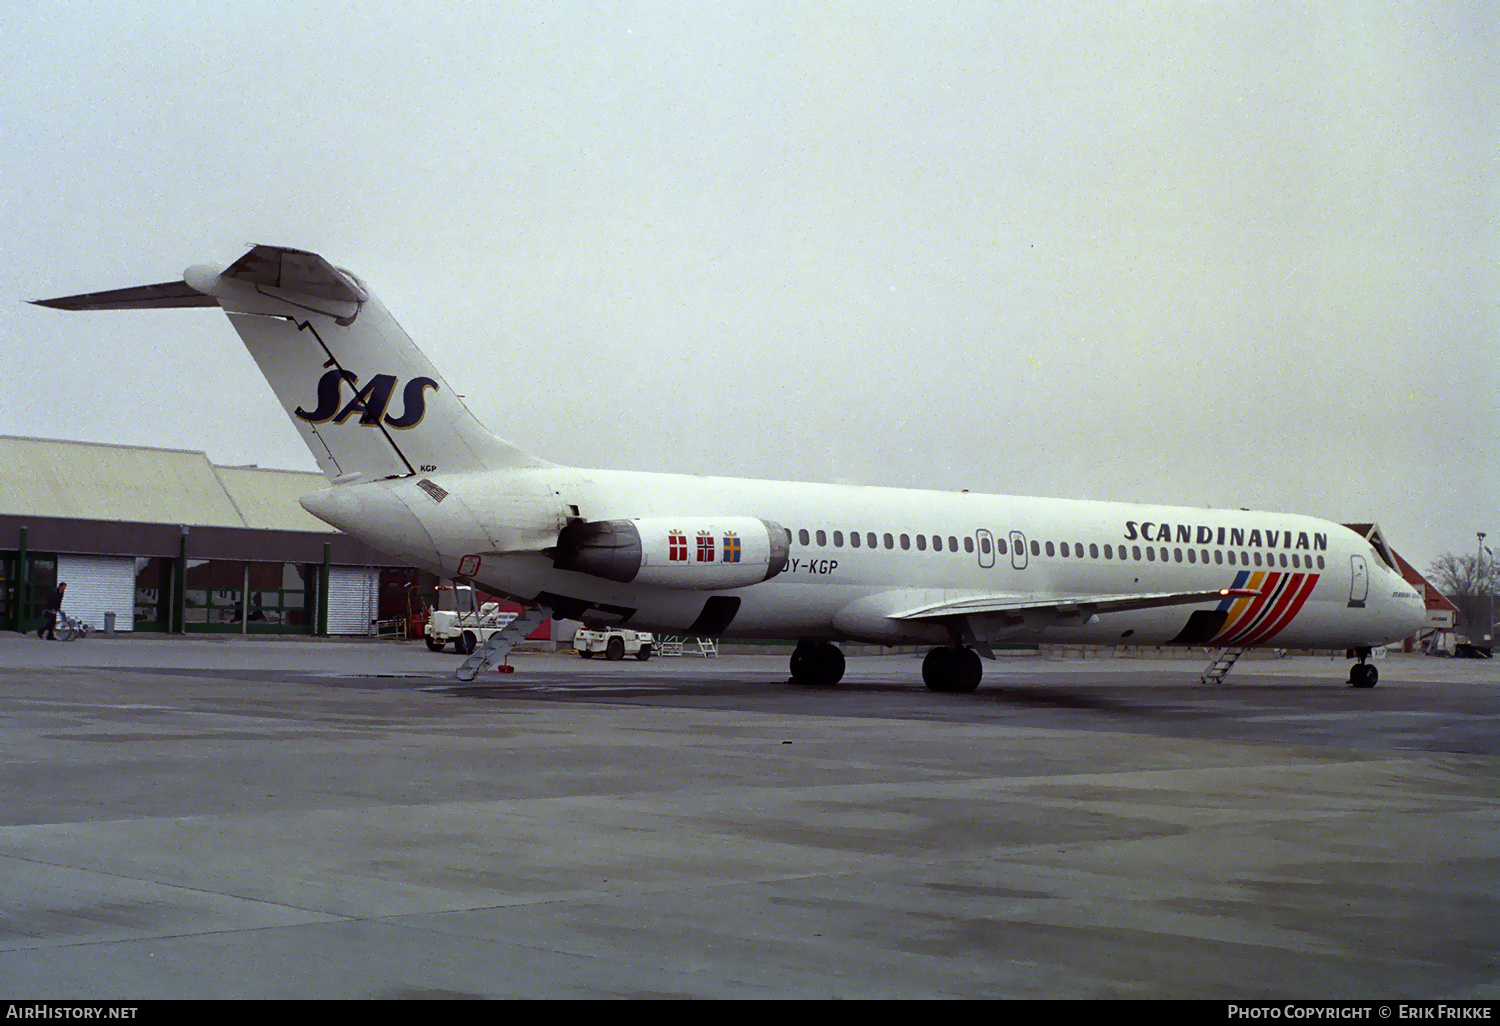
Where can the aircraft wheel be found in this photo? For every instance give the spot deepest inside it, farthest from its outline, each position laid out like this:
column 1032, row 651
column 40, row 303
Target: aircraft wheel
column 967, row 669
column 466, row 642
column 936, row 669
column 615, row 650
column 817, row 662
column 644, row 653
column 434, row 645
column 830, row 663
column 802, row 662
column 952, row 669
column 1363, row 675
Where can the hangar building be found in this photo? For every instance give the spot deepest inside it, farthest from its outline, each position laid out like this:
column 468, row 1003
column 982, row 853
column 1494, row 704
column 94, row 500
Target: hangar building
column 164, row 540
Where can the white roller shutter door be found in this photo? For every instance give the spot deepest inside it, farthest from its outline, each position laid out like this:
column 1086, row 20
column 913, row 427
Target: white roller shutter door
column 353, row 599
column 99, row 585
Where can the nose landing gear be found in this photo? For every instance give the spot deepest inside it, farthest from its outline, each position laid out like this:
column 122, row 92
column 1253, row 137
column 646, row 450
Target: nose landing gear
column 1362, row 674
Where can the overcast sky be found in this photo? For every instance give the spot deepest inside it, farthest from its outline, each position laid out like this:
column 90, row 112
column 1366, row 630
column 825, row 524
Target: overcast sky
column 1222, row 254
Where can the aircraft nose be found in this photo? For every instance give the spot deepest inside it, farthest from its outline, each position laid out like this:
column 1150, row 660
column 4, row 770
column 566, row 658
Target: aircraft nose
column 1415, row 615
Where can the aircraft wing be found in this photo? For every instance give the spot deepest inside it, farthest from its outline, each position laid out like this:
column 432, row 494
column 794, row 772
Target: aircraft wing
column 1017, row 607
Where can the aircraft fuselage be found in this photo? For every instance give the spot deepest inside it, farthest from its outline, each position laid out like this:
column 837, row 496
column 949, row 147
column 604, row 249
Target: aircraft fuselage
column 1320, row 584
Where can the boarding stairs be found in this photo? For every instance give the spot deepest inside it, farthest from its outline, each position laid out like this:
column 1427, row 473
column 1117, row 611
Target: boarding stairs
column 667, row 645
column 498, row 648
column 1223, row 662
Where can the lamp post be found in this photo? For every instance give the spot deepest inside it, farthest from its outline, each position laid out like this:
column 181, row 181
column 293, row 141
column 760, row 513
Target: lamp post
column 1482, row 580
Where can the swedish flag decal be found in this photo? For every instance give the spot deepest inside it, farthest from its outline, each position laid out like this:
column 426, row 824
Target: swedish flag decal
column 731, row 547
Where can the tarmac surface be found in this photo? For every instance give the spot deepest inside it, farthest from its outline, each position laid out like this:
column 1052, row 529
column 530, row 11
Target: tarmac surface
column 275, row 818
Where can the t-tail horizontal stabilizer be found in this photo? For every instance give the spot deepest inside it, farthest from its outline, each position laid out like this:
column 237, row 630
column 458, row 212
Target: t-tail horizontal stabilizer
column 142, row 297
column 367, row 402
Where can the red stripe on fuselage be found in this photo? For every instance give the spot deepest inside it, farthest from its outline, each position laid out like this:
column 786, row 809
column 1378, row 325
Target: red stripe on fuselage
column 1301, row 587
column 1272, row 586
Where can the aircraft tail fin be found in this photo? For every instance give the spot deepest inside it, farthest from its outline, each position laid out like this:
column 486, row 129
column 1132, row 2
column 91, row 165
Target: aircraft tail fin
column 367, row 402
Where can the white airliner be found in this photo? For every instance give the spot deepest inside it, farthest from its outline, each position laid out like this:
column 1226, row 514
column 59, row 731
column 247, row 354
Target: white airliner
column 417, row 476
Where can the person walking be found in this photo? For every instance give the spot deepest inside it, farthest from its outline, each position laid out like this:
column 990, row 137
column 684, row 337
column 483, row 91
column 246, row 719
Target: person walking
column 54, row 607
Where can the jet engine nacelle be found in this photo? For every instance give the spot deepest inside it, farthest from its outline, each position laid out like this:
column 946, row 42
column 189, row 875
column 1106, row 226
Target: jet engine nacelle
column 694, row 553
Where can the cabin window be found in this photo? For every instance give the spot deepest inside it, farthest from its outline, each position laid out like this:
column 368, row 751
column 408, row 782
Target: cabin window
column 1036, row 548
column 906, row 541
column 802, row 536
column 1320, row 562
column 1000, row 546
column 1176, row 554
column 838, row 539
column 1135, row 552
column 952, row 544
column 870, row 539
column 968, row 544
column 937, row 543
column 1093, row 550
column 1051, row 549
column 822, row 537
column 1064, row 548
column 1192, row 556
column 1218, row 557
column 854, row 539
column 1257, row 559
column 1109, row 552
column 1150, row 554
column 921, row 543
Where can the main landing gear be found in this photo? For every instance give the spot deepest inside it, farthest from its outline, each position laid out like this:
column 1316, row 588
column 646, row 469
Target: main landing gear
column 947, row 668
column 952, row 668
column 817, row 662
column 1362, row 674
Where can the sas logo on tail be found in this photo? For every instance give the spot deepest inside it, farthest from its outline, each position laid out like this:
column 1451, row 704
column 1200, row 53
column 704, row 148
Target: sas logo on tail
column 369, row 402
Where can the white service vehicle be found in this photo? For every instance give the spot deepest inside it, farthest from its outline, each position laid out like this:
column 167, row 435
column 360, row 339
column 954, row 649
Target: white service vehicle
column 456, row 620
column 615, row 642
